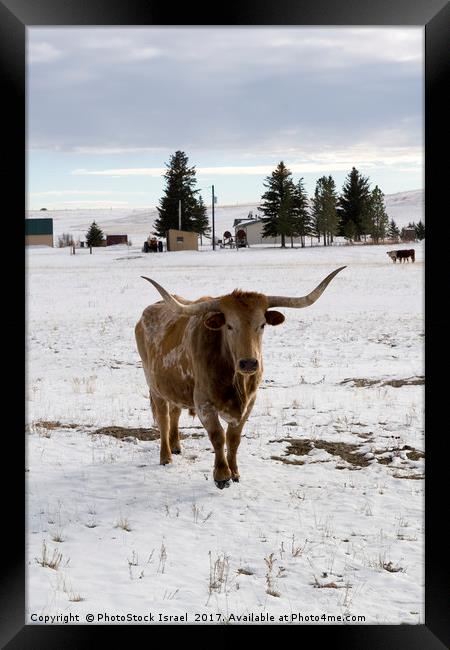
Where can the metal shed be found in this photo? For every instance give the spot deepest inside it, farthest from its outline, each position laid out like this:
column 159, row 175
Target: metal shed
column 39, row 232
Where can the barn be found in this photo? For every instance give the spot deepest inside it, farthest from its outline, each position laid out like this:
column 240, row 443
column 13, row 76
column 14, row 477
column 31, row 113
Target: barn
column 112, row 240
column 39, row 232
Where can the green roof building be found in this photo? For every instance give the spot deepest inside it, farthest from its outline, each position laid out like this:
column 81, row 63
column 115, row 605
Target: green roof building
column 39, row 232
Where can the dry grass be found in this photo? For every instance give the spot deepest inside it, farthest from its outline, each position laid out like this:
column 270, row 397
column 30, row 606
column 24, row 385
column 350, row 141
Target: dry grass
column 363, row 382
column 84, row 384
column 125, row 432
column 43, row 427
column 302, row 447
column 219, row 570
column 52, row 561
column 270, row 581
column 140, row 433
column 124, row 524
column 347, row 452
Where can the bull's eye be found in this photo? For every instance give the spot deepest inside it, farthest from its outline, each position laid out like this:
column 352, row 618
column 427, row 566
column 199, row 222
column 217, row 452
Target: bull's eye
column 263, row 326
column 229, row 327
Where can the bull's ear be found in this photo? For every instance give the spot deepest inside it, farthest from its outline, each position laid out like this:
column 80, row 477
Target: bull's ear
column 274, row 317
column 215, row 321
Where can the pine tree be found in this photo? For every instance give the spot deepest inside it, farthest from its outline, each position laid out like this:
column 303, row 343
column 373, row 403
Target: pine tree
column 180, row 185
column 301, row 214
column 393, row 230
column 420, row 231
column 317, row 223
column 378, row 220
column 350, row 231
column 277, row 204
column 94, row 236
column 324, row 210
column 353, row 203
column 200, row 218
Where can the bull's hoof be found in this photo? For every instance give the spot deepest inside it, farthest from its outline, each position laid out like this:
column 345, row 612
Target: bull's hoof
column 235, row 479
column 165, row 461
column 176, row 451
column 223, row 484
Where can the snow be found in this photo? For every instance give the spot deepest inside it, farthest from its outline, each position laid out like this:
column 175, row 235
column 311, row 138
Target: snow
column 137, row 223
column 326, row 537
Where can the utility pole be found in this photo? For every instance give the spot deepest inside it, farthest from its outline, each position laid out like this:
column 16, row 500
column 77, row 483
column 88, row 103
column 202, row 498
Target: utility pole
column 179, row 214
column 213, row 223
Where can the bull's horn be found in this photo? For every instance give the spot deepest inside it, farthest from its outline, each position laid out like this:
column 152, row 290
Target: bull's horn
column 190, row 309
column 305, row 301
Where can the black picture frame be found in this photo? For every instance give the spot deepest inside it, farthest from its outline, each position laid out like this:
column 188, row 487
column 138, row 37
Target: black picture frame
column 15, row 16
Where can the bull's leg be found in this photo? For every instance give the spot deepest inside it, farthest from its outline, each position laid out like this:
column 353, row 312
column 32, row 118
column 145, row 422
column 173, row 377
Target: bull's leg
column 174, row 436
column 233, row 442
column 160, row 408
column 210, row 421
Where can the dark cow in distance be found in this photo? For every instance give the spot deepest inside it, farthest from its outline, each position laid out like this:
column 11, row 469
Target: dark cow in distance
column 402, row 255
column 205, row 356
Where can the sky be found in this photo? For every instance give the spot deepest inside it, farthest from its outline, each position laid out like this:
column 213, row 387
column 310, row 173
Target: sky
column 107, row 107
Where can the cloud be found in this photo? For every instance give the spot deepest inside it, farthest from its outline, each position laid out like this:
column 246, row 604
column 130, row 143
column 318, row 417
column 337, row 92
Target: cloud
column 81, row 192
column 236, row 99
column 109, row 150
column 361, row 156
column 42, row 52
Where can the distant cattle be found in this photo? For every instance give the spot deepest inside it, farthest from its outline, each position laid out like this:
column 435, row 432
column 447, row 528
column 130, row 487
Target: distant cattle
column 402, row 255
column 205, row 356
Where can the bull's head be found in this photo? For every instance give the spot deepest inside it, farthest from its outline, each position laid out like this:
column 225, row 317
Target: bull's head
column 242, row 317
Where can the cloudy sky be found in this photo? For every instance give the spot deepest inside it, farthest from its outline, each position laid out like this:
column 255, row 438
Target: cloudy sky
column 107, row 107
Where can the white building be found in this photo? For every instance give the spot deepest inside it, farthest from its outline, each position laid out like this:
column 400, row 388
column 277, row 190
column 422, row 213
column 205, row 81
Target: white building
column 254, row 229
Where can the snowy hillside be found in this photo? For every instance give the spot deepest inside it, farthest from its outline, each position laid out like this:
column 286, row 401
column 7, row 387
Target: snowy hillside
column 328, row 518
column 137, row 223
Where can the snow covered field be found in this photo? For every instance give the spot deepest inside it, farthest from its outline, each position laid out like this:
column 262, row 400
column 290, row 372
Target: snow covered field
column 328, row 517
column 137, row 223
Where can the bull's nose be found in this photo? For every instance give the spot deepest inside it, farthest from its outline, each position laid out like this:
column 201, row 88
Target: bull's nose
column 248, row 365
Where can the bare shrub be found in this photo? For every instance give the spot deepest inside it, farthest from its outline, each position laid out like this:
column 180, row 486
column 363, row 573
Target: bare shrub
column 66, row 239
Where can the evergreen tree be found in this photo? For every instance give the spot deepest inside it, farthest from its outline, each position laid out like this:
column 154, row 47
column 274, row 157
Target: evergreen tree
column 277, row 204
column 378, row 220
column 94, row 236
column 180, row 185
column 350, row 231
column 393, row 230
column 200, row 218
column 301, row 214
column 317, row 222
column 420, row 231
column 353, row 203
column 324, row 210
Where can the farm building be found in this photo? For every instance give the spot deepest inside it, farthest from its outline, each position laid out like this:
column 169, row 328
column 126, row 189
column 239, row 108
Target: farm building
column 254, row 230
column 112, row 240
column 182, row 240
column 408, row 234
column 39, row 232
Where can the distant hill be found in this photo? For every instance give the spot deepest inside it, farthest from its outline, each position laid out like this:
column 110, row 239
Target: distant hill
column 137, row 223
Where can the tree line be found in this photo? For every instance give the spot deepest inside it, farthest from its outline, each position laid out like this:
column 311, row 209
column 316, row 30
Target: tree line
column 355, row 213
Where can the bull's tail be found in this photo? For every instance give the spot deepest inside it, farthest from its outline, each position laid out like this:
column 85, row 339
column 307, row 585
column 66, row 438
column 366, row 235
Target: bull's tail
column 192, row 413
